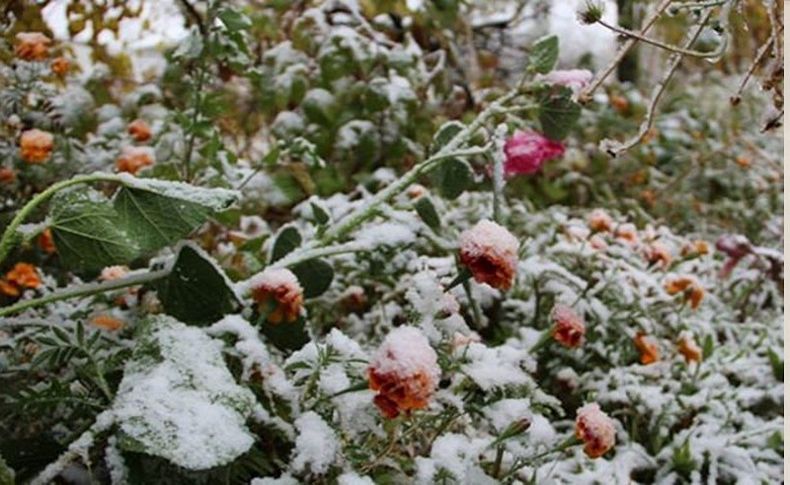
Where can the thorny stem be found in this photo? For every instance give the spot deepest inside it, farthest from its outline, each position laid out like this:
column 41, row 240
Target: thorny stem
column 11, row 235
column 86, row 289
column 615, row 149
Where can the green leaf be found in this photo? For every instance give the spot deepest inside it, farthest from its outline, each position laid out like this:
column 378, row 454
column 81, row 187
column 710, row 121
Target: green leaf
column 445, row 133
column 234, row 20
column 320, row 214
column 286, row 241
column 178, row 400
column 286, row 336
column 6, row 473
column 427, row 212
column 157, row 213
column 558, row 112
column 707, row 347
column 452, row 177
column 543, row 54
column 777, row 365
column 196, row 291
column 87, row 231
column 314, row 275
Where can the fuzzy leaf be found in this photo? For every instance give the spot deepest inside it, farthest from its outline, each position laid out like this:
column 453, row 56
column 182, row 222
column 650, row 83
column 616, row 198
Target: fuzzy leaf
column 453, row 177
column 558, row 112
column 543, row 55
column 286, row 241
column 315, row 276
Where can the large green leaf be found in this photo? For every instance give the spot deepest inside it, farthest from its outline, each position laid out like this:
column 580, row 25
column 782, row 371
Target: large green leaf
column 558, row 112
column 87, row 231
column 196, row 291
column 177, row 400
column 286, row 241
column 157, row 213
column 453, row 177
column 543, row 54
column 445, row 133
column 314, row 275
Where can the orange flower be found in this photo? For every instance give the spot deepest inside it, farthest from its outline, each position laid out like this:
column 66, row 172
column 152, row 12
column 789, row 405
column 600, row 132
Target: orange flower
column 404, row 372
column 595, row 429
column 45, row 241
column 619, row 103
column 689, row 348
column 8, row 289
column 490, row 252
column 658, row 253
column 60, row 66
column 696, row 248
column 132, row 159
column 139, row 130
column 692, row 290
column 627, row 232
column 648, row 348
column 7, row 175
column 743, row 161
column 599, row 221
column 32, row 46
column 568, row 326
column 278, row 286
column 23, row 275
column 106, row 322
column 35, row 146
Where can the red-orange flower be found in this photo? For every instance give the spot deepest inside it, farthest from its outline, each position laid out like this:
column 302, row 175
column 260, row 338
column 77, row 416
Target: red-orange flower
column 46, row 242
column 568, row 327
column 599, row 221
column 24, row 275
column 107, row 322
column 132, row 159
column 490, row 252
column 139, row 130
column 32, row 46
column 281, row 287
column 595, row 429
column 627, row 233
column 689, row 348
column 404, row 372
column 7, row 175
column 8, row 289
column 695, row 248
column 657, row 253
column 691, row 288
column 648, row 349
column 35, row 146
column 60, row 66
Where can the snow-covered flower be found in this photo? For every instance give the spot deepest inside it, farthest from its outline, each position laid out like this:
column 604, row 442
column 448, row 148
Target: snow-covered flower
column 595, row 429
column 697, row 247
column 648, row 349
column 35, row 146
column 490, row 252
column 139, row 130
column 599, row 221
column 689, row 348
column 575, row 79
column 527, row 151
column 278, row 286
column 568, row 327
column 404, row 372
column 132, row 159
column 657, row 253
column 736, row 247
column 107, row 322
column 32, row 46
column 113, row 273
column 60, row 66
column 627, row 232
column 691, row 288
column 461, row 340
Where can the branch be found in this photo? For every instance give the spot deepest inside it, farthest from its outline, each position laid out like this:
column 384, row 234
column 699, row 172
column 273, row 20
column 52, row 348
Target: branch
column 664, row 45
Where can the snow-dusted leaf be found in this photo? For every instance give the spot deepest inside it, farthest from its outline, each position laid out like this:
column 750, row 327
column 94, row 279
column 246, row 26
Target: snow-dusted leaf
column 87, row 232
column 452, row 177
column 196, row 291
column 178, row 401
column 286, row 241
column 445, row 133
column 558, row 112
column 234, row 20
column 427, row 212
column 314, row 275
column 543, row 54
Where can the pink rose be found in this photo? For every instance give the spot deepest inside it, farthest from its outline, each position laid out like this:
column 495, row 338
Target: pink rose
column 527, row 151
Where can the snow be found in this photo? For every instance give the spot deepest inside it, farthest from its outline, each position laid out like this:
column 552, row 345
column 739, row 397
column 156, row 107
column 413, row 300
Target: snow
column 179, row 401
column 406, row 352
column 316, row 445
column 216, row 199
column 392, row 234
column 489, row 237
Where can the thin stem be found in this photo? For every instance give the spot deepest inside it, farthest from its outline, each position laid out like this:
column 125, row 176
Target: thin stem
column 195, row 114
column 11, row 235
column 600, row 77
column 478, row 316
column 85, row 290
column 663, row 45
column 615, row 149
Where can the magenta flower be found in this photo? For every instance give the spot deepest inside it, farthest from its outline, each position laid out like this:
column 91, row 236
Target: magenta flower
column 527, row 151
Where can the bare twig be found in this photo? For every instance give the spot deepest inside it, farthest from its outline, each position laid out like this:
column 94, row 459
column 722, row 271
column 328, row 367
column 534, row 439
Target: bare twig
column 664, row 45
column 736, row 98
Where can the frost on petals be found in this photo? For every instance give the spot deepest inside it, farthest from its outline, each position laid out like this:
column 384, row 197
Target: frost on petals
column 688, row 285
column 599, row 221
column 595, row 429
column 133, row 159
column 575, row 79
column 280, row 288
column 403, row 372
column 490, row 252
column 527, row 151
column 139, row 130
column 568, row 327
column 32, row 46
column 648, row 349
column 689, row 348
column 35, row 146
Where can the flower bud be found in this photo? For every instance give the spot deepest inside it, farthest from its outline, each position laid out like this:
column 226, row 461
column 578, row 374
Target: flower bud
column 35, row 146
column 490, row 252
column 568, row 327
column 527, row 151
